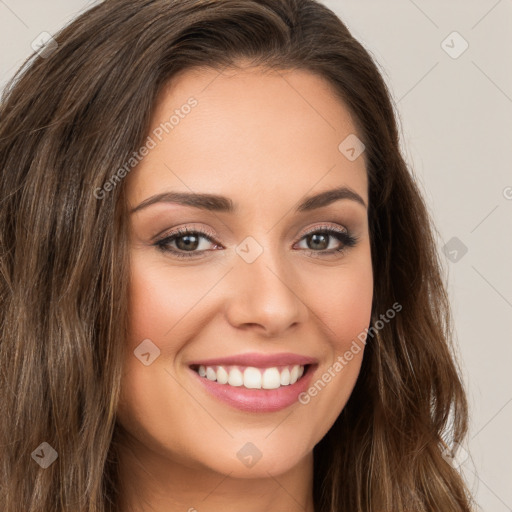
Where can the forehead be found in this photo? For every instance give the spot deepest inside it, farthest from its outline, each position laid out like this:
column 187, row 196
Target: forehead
column 250, row 129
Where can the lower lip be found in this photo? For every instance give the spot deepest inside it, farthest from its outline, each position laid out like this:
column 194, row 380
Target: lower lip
column 257, row 400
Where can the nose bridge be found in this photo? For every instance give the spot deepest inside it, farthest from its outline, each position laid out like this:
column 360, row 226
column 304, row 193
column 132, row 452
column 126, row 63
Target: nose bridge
column 263, row 290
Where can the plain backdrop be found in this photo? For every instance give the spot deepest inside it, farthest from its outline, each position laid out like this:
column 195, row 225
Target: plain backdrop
column 448, row 65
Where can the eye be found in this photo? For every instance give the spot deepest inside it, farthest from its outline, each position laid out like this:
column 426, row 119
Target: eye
column 185, row 243
column 326, row 240
column 320, row 241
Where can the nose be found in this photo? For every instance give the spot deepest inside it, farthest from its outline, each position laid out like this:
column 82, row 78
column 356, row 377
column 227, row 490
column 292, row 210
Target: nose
column 265, row 296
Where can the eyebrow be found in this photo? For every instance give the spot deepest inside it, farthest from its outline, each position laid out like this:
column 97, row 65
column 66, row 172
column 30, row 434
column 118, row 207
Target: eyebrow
column 216, row 203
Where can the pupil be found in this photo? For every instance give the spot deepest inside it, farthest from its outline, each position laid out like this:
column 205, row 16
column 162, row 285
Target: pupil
column 321, row 239
column 187, row 243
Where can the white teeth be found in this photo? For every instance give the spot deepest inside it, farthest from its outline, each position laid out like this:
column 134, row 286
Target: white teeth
column 235, row 378
column 271, row 379
column 251, row 377
column 222, row 375
column 294, row 375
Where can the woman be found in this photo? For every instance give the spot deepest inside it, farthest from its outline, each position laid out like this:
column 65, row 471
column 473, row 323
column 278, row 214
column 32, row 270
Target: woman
column 219, row 282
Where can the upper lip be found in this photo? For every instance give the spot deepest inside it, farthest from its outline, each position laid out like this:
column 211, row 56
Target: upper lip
column 257, row 360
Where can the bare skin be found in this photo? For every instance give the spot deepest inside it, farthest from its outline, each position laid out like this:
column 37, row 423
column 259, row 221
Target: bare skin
column 267, row 141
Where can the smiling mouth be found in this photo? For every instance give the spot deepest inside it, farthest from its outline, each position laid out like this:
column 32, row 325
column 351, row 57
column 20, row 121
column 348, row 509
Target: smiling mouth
column 250, row 377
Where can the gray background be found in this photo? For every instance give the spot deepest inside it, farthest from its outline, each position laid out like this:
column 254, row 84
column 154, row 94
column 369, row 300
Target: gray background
column 456, row 124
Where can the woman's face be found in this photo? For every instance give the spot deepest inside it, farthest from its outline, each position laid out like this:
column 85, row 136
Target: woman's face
column 257, row 289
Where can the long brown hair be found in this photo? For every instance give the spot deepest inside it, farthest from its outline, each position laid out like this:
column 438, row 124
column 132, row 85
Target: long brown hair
column 68, row 121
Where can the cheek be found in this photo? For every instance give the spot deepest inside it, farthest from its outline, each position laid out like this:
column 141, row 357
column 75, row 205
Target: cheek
column 342, row 300
column 160, row 300
column 342, row 303
column 349, row 309
column 156, row 312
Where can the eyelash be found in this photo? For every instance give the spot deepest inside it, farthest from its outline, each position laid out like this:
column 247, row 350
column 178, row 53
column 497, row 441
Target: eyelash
column 345, row 237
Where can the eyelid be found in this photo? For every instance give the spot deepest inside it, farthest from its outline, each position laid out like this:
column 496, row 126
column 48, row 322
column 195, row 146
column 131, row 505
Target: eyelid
column 324, row 226
column 183, row 230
